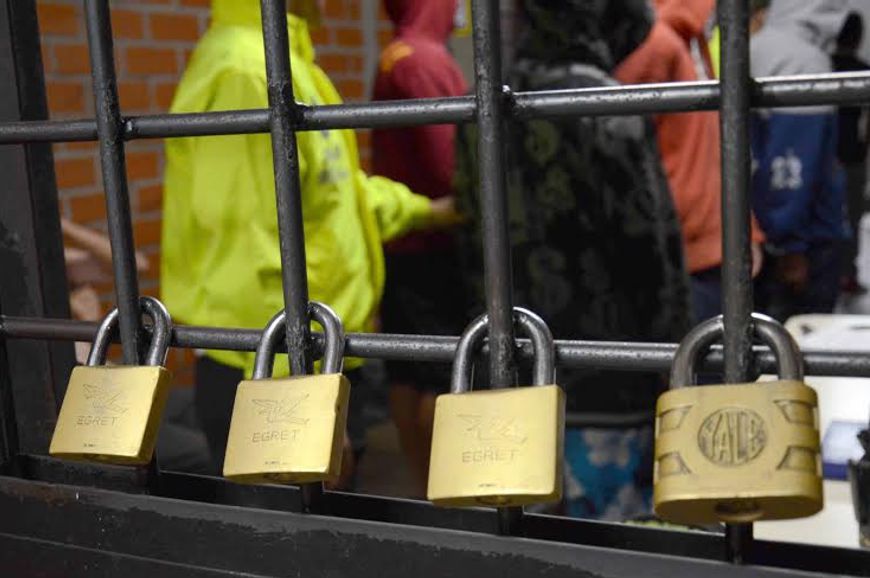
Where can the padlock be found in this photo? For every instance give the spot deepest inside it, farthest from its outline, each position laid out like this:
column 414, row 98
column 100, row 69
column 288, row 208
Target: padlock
column 291, row 429
column 112, row 413
column 737, row 453
column 499, row 447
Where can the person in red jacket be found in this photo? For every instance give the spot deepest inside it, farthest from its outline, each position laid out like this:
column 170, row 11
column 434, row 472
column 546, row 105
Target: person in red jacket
column 417, row 64
column 676, row 51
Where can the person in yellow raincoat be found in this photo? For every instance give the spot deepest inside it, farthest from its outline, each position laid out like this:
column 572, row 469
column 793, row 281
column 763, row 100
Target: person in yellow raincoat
column 220, row 260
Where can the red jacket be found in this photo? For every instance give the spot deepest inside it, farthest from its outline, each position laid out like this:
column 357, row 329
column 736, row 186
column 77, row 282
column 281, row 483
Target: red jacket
column 416, row 64
column 689, row 142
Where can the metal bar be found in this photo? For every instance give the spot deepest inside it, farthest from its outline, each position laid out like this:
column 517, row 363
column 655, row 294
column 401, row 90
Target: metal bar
column 494, row 207
column 31, row 247
column 620, row 356
column 279, row 543
column 736, row 254
column 811, row 90
column 288, row 193
column 340, row 505
column 110, row 128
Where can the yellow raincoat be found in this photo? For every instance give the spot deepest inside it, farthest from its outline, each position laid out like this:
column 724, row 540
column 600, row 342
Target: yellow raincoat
column 220, row 263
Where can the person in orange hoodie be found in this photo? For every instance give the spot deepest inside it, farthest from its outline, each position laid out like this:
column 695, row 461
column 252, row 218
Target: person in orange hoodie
column 676, row 51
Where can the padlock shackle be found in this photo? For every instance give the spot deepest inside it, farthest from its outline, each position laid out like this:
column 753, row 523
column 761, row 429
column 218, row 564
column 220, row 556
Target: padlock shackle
column 161, row 332
column 544, row 371
column 706, row 333
column 333, row 329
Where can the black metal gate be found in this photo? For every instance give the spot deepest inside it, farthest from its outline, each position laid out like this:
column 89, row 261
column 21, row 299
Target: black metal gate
column 59, row 518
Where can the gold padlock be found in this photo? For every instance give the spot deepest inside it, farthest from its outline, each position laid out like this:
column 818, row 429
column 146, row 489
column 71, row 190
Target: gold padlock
column 112, row 413
column 499, row 447
column 737, row 453
column 290, row 430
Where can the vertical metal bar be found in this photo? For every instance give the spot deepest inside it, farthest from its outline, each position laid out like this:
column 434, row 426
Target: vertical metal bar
column 110, row 129
column 493, row 202
column 31, row 247
column 736, row 253
column 288, row 193
column 288, row 190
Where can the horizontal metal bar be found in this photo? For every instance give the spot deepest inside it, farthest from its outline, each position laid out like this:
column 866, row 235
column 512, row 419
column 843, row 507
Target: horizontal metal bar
column 815, row 90
column 617, row 356
column 273, row 543
column 345, row 508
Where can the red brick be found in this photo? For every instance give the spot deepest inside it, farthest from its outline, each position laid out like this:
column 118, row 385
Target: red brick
column 200, row 3
column 351, row 89
column 88, row 209
column 84, row 147
column 320, row 36
column 127, row 24
column 150, row 198
column 147, row 232
column 80, row 172
column 147, row 60
column 71, row 59
column 174, row 26
column 351, row 37
column 134, row 96
column 65, row 96
column 142, row 165
column 58, row 19
column 384, row 37
column 332, row 63
column 163, row 95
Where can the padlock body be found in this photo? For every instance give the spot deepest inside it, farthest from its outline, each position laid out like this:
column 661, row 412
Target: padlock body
column 288, row 430
column 111, row 414
column 498, row 447
column 737, row 453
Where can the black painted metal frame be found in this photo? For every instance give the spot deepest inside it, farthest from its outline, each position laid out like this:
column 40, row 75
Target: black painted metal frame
column 359, row 527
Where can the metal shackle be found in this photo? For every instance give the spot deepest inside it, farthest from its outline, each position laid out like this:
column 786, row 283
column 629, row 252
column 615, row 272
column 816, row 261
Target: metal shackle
column 333, row 329
column 544, row 371
column 770, row 331
column 161, row 332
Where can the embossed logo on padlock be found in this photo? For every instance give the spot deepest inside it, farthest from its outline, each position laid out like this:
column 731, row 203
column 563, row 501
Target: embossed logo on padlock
column 290, row 430
column 737, row 452
column 499, row 447
column 112, row 414
column 732, row 436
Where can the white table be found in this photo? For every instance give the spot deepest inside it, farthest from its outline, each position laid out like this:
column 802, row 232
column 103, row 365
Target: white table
column 841, row 399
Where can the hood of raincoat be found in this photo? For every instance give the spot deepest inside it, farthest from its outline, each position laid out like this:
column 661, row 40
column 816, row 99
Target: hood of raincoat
column 247, row 12
column 600, row 32
column 430, row 18
column 687, row 17
column 816, row 21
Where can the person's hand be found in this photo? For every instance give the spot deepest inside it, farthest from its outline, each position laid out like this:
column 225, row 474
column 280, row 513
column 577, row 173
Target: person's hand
column 793, row 270
column 444, row 213
column 757, row 259
column 84, row 304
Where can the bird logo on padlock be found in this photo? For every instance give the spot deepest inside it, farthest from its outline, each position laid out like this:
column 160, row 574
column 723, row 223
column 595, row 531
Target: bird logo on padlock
column 281, row 410
column 494, row 429
column 105, row 398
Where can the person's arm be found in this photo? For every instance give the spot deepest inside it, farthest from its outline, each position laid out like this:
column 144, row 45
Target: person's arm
column 398, row 211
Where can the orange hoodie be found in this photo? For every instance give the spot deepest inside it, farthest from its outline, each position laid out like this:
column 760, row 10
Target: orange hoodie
column 689, row 142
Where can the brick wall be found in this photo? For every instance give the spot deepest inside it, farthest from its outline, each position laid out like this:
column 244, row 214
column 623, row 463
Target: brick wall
column 153, row 40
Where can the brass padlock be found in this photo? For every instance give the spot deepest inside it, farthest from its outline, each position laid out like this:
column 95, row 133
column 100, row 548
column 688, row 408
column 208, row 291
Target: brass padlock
column 501, row 447
column 737, row 453
column 290, row 430
column 112, row 413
